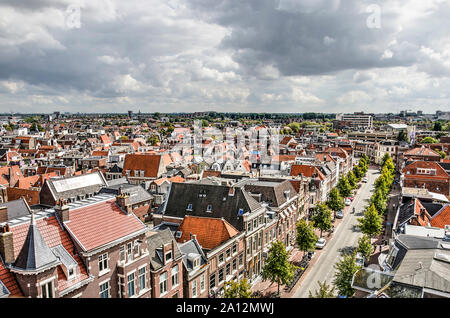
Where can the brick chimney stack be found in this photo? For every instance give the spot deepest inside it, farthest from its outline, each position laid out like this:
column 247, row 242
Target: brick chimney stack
column 3, row 214
column 62, row 210
column 6, row 244
column 123, row 200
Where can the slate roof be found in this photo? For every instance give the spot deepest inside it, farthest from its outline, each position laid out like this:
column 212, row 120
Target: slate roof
column 35, row 254
column 66, row 188
column 191, row 247
column 271, row 192
column 432, row 208
column 16, row 208
column 137, row 193
column 105, row 217
column 426, row 269
column 223, row 205
column 155, row 243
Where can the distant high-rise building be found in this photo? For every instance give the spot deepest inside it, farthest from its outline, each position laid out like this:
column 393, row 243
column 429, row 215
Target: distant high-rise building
column 357, row 120
column 130, row 113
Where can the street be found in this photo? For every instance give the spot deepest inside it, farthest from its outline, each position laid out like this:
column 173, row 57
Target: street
column 344, row 238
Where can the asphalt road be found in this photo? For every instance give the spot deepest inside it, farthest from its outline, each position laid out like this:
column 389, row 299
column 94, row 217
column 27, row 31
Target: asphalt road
column 344, row 238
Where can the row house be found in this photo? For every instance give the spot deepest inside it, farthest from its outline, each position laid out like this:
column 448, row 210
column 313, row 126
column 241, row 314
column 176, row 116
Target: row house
column 426, row 174
column 71, row 189
column 221, row 259
column 140, row 168
column 166, row 265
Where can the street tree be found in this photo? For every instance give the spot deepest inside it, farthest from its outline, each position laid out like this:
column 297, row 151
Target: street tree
column 372, row 223
column 379, row 201
column 365, row 247
column 345, row 269
column 344, row 187
column 322, row 218
column 352, row 180
column 277, row 268
column 306, row 237
column 324, row 291
column 235, row 289
column 357, row 171
column 335, row 200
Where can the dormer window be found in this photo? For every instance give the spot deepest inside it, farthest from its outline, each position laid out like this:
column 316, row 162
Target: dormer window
column 189, row 207
column 196, row 262
column 168, row 256
column 209, row 208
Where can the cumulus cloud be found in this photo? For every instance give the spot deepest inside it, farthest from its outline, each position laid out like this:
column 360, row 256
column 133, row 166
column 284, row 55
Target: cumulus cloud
column 225, row 55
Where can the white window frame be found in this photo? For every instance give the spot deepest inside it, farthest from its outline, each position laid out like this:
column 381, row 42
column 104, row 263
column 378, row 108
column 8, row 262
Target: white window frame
column 163, row 283
column 175, row 276
column 102, row 258
column 131, row 281
column 108, row 289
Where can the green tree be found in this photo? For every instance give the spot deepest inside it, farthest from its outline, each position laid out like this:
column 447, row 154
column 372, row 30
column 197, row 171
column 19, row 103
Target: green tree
column 345, row 269
column 379, row 201
column 295, row 127
column 235, row 289
column 344, row 187
column 372, row 223
column 357, row 171
column 365, row 247
column 352, row 180
column 443, row 155
column 277, row 268
column 429, row 140
column 324, row 291
column 322, row 218
column 306, row 237
column 402, row 136
column 153, row 140
column 335, row 200
column 437, row 126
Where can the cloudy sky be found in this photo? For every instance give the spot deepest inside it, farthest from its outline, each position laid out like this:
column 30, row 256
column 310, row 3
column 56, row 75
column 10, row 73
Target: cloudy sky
column 231, row 55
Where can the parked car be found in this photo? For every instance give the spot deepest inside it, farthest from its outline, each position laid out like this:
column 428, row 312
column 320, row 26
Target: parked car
column 359, row 260
column 321, row 243
column 351, row 198
column 348, row 201
column 364, row 179
column 339, row 214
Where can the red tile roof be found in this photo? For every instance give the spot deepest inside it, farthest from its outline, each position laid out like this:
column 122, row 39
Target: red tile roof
column 148, row 163
column 421, row 151
column 8, row 279
column 442, row 218
column 307, row 171
column 210, row 232
column 54, row 235
column 105, row 217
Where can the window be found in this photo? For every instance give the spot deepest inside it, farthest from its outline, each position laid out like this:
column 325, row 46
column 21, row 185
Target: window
column 221, row 258
column 142, row 279
column 163, row 283
column 249, row 246
column 131, row 287
column 234, row 265
column 103, row 262
column 120, row 287
column 249, row 226
column 175, row 279
column 228, row 253
column 122, row 253
column 212, row 281
column 209, row 208
column 202, row 283
column 168, row 256
column 228, row 269
column 104, row 290
column 261, row 219
column 220, row 275
column 255, row 223
column 241, row 259
column 130, row 251
column 194, row 288
column 47, row 290
column 234, row 248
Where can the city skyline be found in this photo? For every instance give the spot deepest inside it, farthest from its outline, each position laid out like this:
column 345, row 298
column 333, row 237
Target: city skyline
column 168, row 56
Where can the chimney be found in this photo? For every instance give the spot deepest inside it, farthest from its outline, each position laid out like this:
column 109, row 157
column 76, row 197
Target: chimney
column 194, row 237
column 62, row 210
column 3, row 214
column 6, row 244
column 123, row 200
